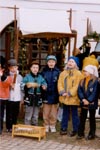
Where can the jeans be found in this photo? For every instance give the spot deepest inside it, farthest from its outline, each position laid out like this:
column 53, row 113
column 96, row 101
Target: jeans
column 65, row 117
column 31, row 115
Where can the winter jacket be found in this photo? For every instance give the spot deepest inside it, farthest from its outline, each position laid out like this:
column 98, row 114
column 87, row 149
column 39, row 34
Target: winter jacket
column 33, row 78
column 16, row 94
column 68, row 82
column 91, row 94
column 51, row 77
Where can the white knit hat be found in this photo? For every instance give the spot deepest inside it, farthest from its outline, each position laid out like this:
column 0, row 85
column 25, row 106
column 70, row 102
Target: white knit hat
column 91, row 69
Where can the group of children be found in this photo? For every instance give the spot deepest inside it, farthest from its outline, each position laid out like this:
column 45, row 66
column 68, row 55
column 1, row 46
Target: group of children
column 70, row 87
column 42, row 87
column 79, row 89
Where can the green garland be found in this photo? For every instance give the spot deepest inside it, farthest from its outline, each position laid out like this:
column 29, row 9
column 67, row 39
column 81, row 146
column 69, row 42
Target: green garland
column 94, row 35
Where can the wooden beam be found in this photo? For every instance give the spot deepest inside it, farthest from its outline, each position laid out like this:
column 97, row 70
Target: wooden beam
column 16, row 33
column 50, row 35
column 87, row 26
column 75, row 41
column 9, row 7
column 70, row 19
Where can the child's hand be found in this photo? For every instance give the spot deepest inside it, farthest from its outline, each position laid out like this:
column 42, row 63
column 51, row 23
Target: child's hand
column 44, row 87
column 85, row 102
column 64, row 94
column 13, row 86
column 1, row 73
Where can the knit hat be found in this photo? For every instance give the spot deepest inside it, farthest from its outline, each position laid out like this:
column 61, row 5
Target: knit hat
column 12, row 62
column 76, row 59
column 51, row 57
column 90, row 60
column 92, row 70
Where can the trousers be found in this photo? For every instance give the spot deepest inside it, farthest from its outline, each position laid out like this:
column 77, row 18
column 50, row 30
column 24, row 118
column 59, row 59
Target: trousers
column 67, row 110
column 92, row 121
column 31, row 115
column 13, row 112
column 50, row 114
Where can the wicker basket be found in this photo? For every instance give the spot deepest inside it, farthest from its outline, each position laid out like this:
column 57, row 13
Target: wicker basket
column 29, row 131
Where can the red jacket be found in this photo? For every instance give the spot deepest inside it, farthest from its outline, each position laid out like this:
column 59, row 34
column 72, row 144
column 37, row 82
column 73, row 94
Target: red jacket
column 5, row 88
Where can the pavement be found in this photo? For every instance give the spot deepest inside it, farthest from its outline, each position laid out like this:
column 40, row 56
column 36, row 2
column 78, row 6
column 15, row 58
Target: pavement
column 7, row 142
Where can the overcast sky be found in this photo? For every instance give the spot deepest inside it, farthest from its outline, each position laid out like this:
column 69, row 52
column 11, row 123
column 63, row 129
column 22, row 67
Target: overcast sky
column 80, row 1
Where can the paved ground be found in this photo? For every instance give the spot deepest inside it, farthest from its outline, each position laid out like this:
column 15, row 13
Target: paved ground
column 23, row 143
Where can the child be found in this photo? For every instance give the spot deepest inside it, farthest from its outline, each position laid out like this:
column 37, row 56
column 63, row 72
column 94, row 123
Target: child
column 67, row 86
column 5, row 83
column 16, row 96
column 50, row 105
column 88, row 95
column 32, row 83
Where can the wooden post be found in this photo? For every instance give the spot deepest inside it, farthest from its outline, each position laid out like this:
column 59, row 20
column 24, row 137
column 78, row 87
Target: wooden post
column 15, row 35
column 87, row 26
column 7, row 45
column 70, row 19
column 75, row 40
column 17, row 44
column 70, row 24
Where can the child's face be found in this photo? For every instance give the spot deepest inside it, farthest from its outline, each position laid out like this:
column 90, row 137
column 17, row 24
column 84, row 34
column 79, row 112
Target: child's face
column 71, row 64
column 86, row 74
column 34, row 69
column 51, row 63
column 13, row 69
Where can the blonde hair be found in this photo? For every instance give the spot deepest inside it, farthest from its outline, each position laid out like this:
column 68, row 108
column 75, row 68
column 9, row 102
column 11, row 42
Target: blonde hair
column 92, row 77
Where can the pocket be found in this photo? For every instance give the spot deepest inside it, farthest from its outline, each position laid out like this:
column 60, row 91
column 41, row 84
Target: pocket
column 26, row 101
column 29, row 99
column 38, row 100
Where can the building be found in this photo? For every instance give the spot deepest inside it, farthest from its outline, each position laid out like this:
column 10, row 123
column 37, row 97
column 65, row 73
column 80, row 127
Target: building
column 80, row 17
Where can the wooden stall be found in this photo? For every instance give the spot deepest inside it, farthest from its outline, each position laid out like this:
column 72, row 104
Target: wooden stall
column 54, row 38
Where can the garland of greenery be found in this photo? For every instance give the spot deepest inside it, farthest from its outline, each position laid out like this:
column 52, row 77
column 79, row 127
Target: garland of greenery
column 94, row 35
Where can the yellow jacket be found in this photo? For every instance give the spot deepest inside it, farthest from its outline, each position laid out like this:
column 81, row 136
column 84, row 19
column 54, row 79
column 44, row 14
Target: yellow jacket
column 68, row 82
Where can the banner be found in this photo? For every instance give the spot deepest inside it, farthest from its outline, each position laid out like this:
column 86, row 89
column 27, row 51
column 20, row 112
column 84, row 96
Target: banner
column 37, row 21
column 6, row 17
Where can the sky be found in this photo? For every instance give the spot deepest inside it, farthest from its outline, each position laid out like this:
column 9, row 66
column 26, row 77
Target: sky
column 79, row 1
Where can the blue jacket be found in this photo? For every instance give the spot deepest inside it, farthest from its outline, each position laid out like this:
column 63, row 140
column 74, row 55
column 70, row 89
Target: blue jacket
column 51, row 77
column 91, row 94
